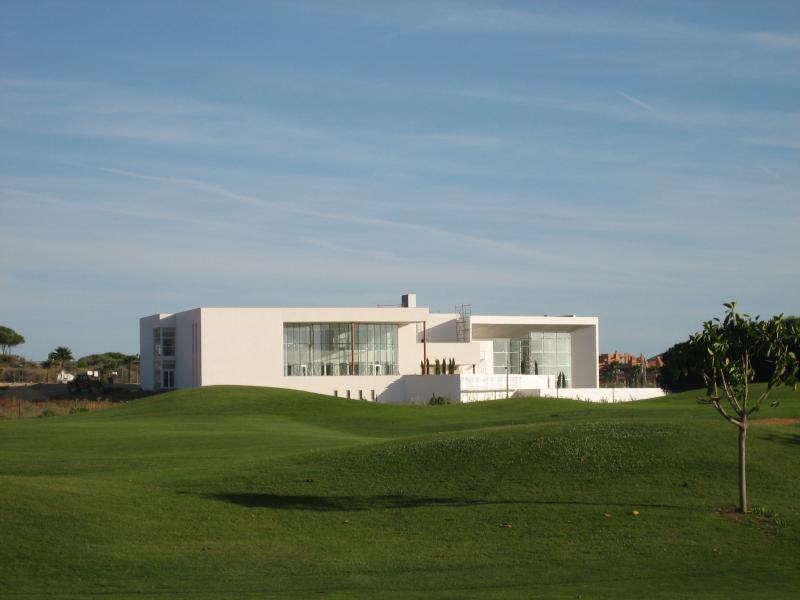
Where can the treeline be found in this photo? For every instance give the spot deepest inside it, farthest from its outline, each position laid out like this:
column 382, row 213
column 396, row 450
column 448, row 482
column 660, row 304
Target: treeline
column 16, row 369
column 683, row 361
column 112, row 366
column 625, row 375
column 125, row 365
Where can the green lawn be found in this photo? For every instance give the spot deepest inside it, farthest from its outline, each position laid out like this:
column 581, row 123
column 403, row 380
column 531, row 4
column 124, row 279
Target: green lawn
column 235, row 492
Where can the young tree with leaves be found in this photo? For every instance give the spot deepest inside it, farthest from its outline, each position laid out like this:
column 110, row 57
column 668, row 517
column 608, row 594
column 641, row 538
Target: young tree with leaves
column 728, row 348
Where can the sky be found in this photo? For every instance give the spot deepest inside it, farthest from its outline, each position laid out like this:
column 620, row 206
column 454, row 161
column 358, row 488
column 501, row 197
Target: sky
column 636, row 161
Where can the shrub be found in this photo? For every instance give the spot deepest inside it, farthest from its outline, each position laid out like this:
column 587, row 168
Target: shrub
column 438, row 400
column 47, row 413
column 78, row 409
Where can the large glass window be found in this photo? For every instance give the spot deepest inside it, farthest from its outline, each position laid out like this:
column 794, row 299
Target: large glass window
column 163, row 345
column 539, row 353
column 509, row 353
column 329, row 349
column 164, row 341
column 551, row 354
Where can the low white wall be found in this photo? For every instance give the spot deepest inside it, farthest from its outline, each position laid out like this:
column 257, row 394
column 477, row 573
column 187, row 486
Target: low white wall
column 418, row 389
column 387, row 388
column 390, row 389
column 477, row 388
column 603, row 394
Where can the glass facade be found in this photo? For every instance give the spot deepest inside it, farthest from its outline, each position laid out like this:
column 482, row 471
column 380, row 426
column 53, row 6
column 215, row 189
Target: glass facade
column 539, row 353
column 164, row 341
column 330, row 349
column 163, row 346
column 509, row 352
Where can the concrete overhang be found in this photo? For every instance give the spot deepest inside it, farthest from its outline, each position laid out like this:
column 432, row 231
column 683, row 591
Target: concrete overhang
column 489, row 327
column 401, row 316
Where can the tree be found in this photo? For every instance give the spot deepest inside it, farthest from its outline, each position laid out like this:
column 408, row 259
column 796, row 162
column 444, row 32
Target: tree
column 9, row 338
column 728, row 348
column 131, row 360
column 682, row 368
column 60, row 355
column 613, row 374
column 682, row 364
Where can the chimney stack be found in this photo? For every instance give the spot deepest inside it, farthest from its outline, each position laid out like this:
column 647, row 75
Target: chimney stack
column 409, row 301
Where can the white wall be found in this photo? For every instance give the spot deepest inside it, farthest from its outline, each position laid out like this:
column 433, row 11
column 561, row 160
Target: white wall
column 487, row 351
column 187, row 350
column 477, row 388
column 387, row 388
column 409, row 355
column 464, row 353
column 604, row 394
column 418, row 389
column 146, row 326
column 441, row 327
column 242, row 346
column 585, row 350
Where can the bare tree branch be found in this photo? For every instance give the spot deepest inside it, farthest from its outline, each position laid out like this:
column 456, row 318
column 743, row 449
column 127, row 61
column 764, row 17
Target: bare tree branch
column 721, row 410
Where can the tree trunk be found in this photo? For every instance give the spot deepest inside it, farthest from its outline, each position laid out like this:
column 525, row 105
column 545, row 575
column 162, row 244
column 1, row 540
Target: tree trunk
column 742, row 467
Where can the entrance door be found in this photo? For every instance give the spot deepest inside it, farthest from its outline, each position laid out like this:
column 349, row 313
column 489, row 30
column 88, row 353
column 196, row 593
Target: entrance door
column 168, row 378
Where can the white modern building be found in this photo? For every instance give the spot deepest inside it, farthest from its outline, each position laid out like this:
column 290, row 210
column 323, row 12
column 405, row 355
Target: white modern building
column 385, row 354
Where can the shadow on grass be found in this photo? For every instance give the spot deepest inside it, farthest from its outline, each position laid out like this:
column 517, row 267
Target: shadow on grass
column 357, row 503
column 784, row 438
column 338, row 503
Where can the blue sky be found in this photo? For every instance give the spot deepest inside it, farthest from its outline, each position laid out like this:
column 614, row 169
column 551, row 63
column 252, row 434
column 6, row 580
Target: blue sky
column 638, row 161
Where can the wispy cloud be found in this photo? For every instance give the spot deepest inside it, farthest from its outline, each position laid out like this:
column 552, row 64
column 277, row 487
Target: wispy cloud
column 95, row 110
column 475, row 17
column 639, row 103
column 17, row 195
column 740, row 125
column 297, row 208
column 770, row 38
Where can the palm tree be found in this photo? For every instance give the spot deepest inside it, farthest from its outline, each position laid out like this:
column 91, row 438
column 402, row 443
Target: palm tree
column 60, row 355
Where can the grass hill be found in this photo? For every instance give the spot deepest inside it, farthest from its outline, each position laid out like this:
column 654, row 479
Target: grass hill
column 232, row 492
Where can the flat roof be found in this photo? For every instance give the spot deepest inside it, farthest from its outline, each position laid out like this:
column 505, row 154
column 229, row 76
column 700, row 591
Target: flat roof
column 532, row 320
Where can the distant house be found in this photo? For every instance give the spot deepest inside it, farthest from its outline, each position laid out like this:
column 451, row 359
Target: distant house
column 64, row 377
column 623, row 358
column 387, row 354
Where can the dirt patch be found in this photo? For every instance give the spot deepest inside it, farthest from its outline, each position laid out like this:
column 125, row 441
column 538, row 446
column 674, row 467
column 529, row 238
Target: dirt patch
column 765, row 520
column 775, row 421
